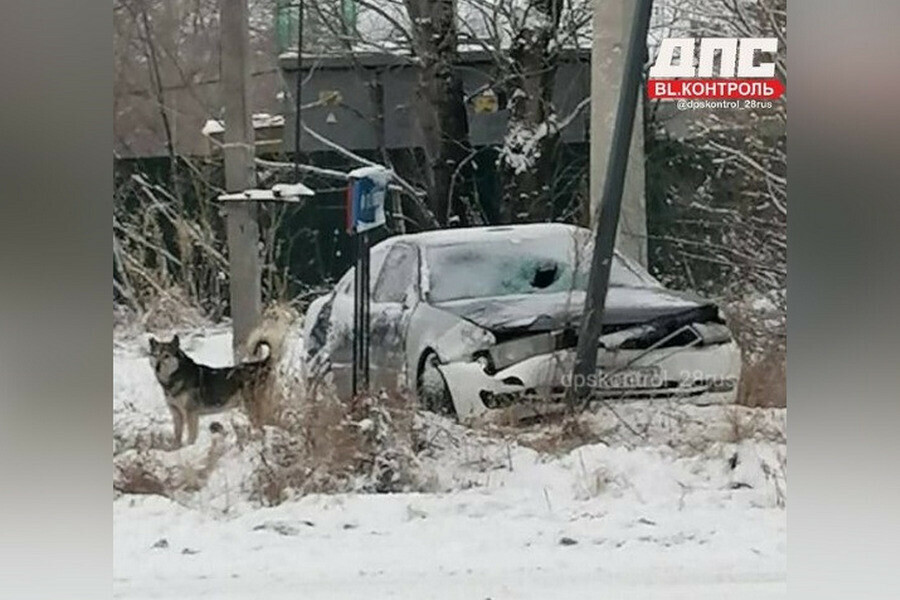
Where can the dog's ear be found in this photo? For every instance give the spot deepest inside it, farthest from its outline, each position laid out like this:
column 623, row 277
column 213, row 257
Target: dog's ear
column 175, row 343
column 154, row 344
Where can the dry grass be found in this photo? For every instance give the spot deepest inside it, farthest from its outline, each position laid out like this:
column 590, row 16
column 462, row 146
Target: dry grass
column 745, row 423
column 171, row 309
column 764, row 382
column 761, row 332
column 136, row 477
column 554, row 433
column 278, row 386
column 265, row 404
column 152, row 439
column 327, row 446
column 153, row 471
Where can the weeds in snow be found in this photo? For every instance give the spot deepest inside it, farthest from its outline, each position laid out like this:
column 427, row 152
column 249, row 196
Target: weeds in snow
column 764, row 381
column 368, row 444
column 154, row 472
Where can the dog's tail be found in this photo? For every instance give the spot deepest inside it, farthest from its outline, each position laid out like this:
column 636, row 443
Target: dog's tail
column 261, row 345
column 265, row 342
column 262, row 350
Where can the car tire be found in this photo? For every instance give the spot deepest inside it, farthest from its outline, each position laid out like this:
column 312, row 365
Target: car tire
column 431, row 388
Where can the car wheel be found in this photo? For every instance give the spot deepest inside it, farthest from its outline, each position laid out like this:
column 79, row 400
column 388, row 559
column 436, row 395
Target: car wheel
column 432, row 389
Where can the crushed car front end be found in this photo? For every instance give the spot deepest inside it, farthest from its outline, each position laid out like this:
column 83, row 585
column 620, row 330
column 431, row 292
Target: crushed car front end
column 697, row 362
column 525, row 293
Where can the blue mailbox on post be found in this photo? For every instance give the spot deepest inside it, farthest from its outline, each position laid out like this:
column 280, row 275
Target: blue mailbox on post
column 365, row 198
column 365, row 211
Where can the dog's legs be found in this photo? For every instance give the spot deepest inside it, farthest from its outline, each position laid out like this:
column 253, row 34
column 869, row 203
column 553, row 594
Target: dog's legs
column 178, row 420
column 193, row 420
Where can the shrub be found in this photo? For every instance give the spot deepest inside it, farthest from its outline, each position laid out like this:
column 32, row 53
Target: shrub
column 327, row 446
column 764, row 381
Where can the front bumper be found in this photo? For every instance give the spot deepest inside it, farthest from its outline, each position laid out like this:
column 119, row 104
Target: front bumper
column 538, row 384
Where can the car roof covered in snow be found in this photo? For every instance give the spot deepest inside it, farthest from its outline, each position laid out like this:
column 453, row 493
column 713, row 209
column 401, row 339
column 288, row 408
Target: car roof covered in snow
column 465, row 235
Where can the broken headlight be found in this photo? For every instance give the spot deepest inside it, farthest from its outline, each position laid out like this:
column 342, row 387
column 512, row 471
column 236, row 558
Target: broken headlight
column 516, row 350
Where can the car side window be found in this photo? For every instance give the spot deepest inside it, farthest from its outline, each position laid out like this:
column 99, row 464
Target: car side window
column 399, row 271
column 346, row 284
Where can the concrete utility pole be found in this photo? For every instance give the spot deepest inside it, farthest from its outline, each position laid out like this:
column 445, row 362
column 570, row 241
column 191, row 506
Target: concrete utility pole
column 610, row 205
column 242, row 227
column 612, row 26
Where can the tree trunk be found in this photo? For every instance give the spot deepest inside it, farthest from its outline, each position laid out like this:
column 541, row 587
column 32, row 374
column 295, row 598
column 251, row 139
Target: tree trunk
column 441, row 110
column 532, row 133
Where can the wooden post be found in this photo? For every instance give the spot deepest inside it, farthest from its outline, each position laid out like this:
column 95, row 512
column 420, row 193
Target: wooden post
column 242, row 227
column 612, row 25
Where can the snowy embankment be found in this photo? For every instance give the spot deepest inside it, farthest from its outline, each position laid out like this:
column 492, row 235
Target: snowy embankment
column 674, row 502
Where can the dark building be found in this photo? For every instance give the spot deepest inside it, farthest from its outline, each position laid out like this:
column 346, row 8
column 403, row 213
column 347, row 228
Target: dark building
column 366, row 100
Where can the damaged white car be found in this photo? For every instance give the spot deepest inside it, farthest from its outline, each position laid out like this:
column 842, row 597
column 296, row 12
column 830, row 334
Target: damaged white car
column 487, row 318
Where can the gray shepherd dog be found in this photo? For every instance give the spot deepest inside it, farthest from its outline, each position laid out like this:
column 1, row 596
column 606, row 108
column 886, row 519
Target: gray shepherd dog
column 192, row 389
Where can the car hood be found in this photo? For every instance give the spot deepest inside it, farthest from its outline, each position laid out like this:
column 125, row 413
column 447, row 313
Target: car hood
column 545, row 312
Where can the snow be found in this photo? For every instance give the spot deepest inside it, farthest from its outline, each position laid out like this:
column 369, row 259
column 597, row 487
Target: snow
column 537, row 259
column 468, row 235
column 521, row 146
column 212, row 126
column 255, row 194
column 259, row 120
column 380, row 175
column 291, row 189
column 262, row 120
column 282, row 192
column 679, row 509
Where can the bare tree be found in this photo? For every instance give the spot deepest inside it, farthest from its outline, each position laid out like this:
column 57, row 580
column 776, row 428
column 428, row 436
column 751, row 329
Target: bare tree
column 440, row 107
column 168, row 242
column 532, row 134
column 524, row 39
column 527, row 39
column 727, row 229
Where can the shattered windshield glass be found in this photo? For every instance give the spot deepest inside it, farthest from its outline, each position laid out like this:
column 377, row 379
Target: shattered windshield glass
column 516, row 265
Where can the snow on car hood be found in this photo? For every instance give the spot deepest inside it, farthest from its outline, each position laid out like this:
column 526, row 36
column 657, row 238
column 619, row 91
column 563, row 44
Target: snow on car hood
column 544, row 312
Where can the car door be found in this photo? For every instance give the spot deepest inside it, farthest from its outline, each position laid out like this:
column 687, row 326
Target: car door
column 394, row 298
column 340, row 328
column 339, row 345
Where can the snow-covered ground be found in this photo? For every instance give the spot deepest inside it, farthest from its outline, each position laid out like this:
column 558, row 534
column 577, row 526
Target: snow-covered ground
column 649, row 516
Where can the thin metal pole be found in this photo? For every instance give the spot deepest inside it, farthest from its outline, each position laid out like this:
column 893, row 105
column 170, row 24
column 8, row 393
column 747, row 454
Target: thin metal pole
column 362, row 310
column 298, row 91
column 366, row 312
column 610, row 205
column 357, row 277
